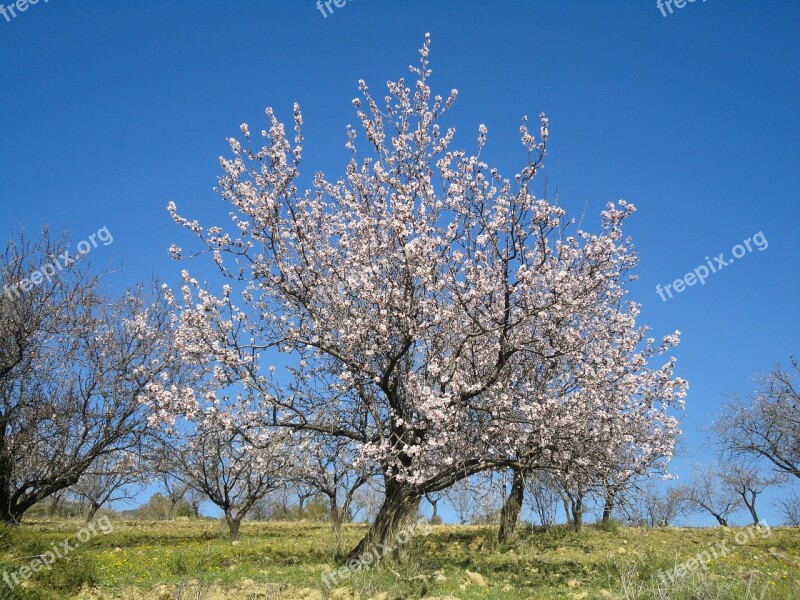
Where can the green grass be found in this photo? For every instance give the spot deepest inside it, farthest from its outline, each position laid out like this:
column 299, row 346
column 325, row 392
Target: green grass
column 165, row 561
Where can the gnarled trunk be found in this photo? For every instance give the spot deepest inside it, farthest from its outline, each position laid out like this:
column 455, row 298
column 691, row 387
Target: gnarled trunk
column 93, row 508
column 233, row 526
column 509, row 515
column 385, row 536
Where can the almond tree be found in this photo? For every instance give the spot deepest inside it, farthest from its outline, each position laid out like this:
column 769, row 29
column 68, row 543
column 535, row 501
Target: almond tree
column 73, row 362
column 229, row 468
column 709, row 491
column 655, row 507
column 329, row 467
column 767, row 427
column 542, row 491
column 602, row 452
column 110, row 478
column 429, row 310
column 749, row 481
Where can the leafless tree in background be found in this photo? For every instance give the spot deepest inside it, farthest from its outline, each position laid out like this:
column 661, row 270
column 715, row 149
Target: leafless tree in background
column 367, row 501
column 789, row 508
column 543, row 496
column 194, row 498
column 228, row 469
column 708, row 491
column 433, row 499
column 329, row 469
column 767, row 427
column 110, row 478
column 652, row 507
column 72, row 365
column 462, row 497
column 748, row 481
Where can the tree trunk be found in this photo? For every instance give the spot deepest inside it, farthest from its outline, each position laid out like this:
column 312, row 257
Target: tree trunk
column 567, row 511
column 8, row 515
column 509, row 515
column 577, row 513
column 751, row 506
column 398, row 511
column 54, row 506
column 93, row 508
column 608, row 508
column 233, row 526
column 336, row 521
column 720, row 519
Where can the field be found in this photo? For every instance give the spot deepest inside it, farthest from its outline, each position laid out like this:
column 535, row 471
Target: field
column 286, row 560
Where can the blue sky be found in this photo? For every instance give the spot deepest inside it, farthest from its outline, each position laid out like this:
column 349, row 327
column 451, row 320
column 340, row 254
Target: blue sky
column 111, row 109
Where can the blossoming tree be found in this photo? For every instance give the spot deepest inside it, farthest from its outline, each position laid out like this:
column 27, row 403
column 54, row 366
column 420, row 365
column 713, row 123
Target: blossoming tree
column 436, row 314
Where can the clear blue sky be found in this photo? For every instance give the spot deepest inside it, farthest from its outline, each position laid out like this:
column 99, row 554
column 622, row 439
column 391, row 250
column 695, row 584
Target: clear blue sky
column 111, row 109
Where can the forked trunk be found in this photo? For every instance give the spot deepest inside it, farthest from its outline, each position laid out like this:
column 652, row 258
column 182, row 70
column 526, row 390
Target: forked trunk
column 388, row 536
column 93, row 508
column 509, row 515
column 233, row 526
column 751, row 507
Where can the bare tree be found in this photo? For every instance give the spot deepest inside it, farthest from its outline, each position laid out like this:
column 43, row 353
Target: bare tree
column 708, row 491
column 194, row 498
column 462, row 497
column 574, row 489
column 543, row 496
column 231, row 471
column 329, row 470
column 108, row 479
column 748, row 481
column 652, row 507
column 174, row 490
column 168, row 470
column 367, row 501
column 433, row 499
column 789, row 508
column 72, row 366
column 768, row 426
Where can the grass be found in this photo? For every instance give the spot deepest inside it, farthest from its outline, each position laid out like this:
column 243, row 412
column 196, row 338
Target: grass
column 181, row 561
